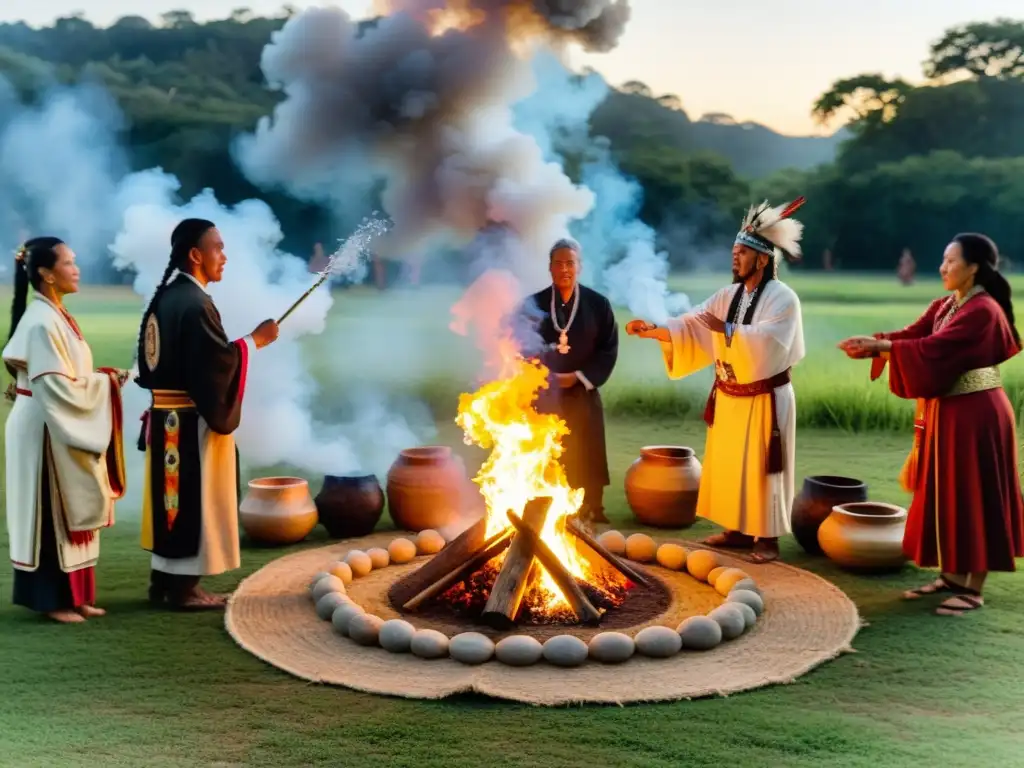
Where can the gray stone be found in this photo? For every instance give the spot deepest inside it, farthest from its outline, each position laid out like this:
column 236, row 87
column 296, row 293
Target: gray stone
column 519, row 651
column 566, row 651
column 745, row 596
column 658, row 642
column 429, row 644
column 327, row 584
column 471, row 648
column 611, row 647
column 364, row 628
column 326, row 605
column 316, row 578
column 396, row 635
column 343, row 615
column 748, row 584
column 749, row 617
column 730, row 619
column 700, row 633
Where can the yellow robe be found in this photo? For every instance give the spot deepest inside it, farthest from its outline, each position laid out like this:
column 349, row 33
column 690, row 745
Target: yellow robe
column 736, row 492
column 71, row 420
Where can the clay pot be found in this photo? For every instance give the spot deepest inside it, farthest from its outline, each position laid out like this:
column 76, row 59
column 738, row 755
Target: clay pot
column 814, row 503
column 865, row 536
column 350, row 505
column 425, row 487
column 278, row 510
column 662, row 485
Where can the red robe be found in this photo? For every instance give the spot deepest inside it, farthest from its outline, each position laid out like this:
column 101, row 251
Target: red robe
column 967, row 514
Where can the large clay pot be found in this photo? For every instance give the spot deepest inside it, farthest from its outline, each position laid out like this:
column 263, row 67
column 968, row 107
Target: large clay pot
column 425, row 487
column 350, row 505
column 662, row 485
column 278, row 510
column 814, row 503
column 865, row 536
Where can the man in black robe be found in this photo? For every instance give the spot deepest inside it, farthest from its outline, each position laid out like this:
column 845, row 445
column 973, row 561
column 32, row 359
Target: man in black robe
column 581, row 345
column 197, row 379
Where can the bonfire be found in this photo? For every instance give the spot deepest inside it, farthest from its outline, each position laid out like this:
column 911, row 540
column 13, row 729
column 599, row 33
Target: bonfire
column 529, row 559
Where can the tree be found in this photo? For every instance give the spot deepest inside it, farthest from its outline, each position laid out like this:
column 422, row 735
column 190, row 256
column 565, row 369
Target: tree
column 636, row 88
column 670, row 101
column 986, row 49
column 872, row 98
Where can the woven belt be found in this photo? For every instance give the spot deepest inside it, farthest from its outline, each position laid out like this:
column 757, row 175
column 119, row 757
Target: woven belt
column 977, row 380
column 171, row 400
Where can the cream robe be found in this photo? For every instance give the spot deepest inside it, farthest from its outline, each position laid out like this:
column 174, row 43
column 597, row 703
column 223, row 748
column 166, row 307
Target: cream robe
column 219, row 543
column 736, row 492
column 78, row 410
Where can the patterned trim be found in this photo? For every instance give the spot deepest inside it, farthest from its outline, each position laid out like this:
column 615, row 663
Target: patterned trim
column 759, row 244
column 172, row 466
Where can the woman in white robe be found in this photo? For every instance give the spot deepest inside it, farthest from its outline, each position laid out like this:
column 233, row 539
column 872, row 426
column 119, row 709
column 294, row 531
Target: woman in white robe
column 65, row 460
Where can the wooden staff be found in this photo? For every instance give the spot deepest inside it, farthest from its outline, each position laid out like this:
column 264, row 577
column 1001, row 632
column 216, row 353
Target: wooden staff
column 326, row 273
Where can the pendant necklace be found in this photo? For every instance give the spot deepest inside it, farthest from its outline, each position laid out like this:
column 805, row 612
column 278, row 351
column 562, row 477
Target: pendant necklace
column 563, row 333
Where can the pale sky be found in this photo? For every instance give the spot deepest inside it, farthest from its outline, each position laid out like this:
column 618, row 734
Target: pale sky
column 765, row 60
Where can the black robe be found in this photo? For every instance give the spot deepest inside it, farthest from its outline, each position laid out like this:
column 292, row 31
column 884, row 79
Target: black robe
column 193, row 356
column 593, row 352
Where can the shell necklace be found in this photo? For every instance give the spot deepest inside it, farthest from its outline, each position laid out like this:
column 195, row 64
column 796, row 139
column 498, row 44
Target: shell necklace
column 563, row 333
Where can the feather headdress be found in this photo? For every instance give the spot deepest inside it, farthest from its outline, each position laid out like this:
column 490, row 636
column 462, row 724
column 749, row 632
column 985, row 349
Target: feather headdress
column 772, row 230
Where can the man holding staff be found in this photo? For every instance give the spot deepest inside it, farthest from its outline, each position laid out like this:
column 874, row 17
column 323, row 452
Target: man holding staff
column 197, row 380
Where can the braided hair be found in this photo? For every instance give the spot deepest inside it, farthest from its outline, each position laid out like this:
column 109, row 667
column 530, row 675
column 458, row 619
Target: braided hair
column 184, row 238
column 35, row 254
column 981, row 250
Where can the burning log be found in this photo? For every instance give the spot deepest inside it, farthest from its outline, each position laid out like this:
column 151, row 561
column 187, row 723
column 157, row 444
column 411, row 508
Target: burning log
column 491, row 549
column 456, row 552
column 581, row 606
column 517, row 571
column 616, row 562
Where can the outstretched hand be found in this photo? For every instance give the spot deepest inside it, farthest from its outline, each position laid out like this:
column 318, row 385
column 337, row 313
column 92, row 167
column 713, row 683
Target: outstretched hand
column 862, row 347
column 641, row 328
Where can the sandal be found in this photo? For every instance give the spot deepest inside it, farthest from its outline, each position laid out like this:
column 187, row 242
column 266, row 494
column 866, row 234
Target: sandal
column 959, row 604
column 730, row 540
column 936, row 587
column 765, row 554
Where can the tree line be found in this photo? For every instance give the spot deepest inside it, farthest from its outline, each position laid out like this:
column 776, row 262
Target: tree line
column 914, row 163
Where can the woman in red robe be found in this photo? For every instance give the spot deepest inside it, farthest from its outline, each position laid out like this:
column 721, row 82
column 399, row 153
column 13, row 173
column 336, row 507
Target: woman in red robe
column 967, row 514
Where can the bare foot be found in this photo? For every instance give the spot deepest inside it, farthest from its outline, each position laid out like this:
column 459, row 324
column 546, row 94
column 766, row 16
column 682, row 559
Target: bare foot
column 90, row 611
column 765, row 551
column 730, row 540
column 66, row 617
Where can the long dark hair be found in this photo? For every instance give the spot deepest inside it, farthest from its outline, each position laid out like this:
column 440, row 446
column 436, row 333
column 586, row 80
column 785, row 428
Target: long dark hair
column 35, row 254
column 184, row 238
column 981, row 250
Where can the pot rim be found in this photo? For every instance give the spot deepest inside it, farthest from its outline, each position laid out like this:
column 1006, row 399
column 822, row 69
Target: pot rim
column 426, row 454
column 668, row 452
column 838, row 482
column 891, row 511
column 352, row 476
column 278, row 482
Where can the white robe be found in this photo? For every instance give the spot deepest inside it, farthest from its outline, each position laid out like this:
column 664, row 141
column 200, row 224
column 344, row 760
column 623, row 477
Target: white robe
column 736, row 491
column 70, row 420
column 219, row 543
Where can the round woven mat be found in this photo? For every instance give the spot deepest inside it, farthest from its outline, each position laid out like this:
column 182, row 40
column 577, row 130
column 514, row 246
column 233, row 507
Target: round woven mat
column 807, row 621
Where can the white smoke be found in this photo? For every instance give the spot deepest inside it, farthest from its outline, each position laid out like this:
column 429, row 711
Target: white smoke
column 61, row 169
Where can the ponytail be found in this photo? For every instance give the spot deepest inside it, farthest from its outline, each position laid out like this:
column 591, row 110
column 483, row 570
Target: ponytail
column 37, row 253
column 171, row 266
column 998, row 287
column 20, row 300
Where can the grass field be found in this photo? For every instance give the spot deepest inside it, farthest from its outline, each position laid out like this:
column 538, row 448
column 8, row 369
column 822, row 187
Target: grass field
column 148, row 688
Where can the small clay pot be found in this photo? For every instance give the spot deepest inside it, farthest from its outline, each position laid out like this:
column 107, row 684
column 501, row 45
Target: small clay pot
column 425, row 488
column 278, row 510
column 865, row 536
column 662, row 486
column 814, row 503
column 350, row 505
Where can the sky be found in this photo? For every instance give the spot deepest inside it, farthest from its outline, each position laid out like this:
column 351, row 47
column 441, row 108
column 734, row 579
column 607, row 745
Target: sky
column 762, row 61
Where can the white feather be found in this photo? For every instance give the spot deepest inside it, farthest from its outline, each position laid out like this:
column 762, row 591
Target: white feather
column 766, row 222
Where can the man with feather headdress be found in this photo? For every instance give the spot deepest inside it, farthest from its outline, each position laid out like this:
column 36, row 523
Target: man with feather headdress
column 752, row 332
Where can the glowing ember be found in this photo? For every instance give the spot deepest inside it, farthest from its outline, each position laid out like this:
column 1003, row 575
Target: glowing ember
column 523, row 464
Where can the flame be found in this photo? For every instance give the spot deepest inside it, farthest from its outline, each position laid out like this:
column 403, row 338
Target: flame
column 523, row 464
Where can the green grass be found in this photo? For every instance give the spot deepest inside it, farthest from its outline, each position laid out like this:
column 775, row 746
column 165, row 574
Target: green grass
column 149, row 688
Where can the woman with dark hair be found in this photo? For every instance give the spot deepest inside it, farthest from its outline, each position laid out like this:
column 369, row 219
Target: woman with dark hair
column 967, row 514
column 65, row 460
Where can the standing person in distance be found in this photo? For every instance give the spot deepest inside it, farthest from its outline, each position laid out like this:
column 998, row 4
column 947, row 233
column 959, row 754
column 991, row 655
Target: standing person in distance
column 581, row 341
column 197, row 380
column 752, row 332
column 65, row 459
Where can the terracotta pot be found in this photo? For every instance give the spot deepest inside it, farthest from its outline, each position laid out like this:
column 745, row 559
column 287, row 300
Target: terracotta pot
column 814, row 503
column 425, row 487
column 865, row 536
column 278, row 510
column 662, row 485
column 350, row 505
